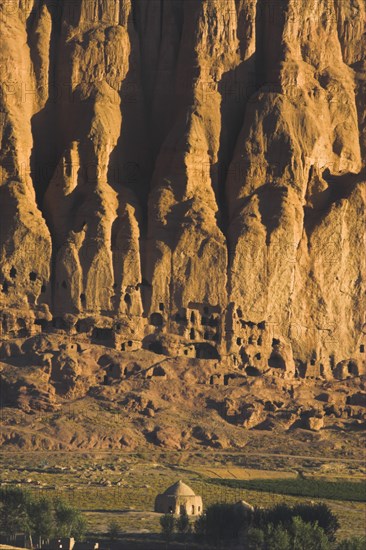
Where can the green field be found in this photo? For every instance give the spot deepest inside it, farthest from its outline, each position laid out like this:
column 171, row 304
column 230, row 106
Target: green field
column 311, row 488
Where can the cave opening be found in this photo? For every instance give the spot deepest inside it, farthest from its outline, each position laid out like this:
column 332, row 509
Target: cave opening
column 42, row 323
column 156, row 319
column 159, row 371
column 206, row 351
column 180, row 319
column 156, row 347
column 252, row 371
column 102, row 333
column 276, row 361
column 353, row 368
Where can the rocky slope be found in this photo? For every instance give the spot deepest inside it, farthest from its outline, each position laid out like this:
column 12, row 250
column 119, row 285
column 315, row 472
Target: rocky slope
column 58, row 394
column 187, row 176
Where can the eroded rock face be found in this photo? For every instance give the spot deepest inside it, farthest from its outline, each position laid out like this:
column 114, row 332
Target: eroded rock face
column 187, row 176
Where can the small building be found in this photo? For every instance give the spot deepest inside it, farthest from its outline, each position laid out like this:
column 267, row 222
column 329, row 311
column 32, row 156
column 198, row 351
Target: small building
column 177, row 499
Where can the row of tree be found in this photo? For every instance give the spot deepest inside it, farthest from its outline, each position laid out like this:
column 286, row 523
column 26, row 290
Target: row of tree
column 300, row 527
column 38, row 518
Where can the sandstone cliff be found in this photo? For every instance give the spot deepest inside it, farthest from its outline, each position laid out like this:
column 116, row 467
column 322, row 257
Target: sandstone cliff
column 187, row 176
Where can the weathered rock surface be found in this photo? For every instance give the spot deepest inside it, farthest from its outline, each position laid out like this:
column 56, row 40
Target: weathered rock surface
column 64, row 396
column 186, row 177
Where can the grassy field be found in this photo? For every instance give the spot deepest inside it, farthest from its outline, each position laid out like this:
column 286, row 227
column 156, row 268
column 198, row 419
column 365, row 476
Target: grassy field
column 123, row 488
column 133, row 509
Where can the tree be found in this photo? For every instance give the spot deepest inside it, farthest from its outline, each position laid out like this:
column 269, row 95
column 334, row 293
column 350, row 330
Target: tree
column 320, row 513
column 113, row 530
column 167, row 526
column 79, row 526
column 200, row 527
column 278, row 538
column 14, row 511
column 64, row 514
column 354, row 543
column 308, row 536
column 182, row 523
column 20, row 513
column 254, row 539
column 279, row 514
column 69, row 521
column 224, row 522
column 269, row 538
column 282, row 514
column 41, row 518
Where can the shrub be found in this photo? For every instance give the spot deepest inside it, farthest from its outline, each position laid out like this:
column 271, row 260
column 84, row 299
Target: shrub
column 309, row 513
column 200, row 527
column 279, row 514
column 321, row 514
column 298, row 535
column 308, row 536
column 113, row 530
column 278, row 538
column 254, row 538
column 226, row 521
column 167, row 523
column 182, row 523
column 279, row 528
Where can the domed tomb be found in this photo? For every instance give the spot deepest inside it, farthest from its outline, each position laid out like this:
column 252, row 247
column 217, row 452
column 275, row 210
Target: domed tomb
column 177, row 499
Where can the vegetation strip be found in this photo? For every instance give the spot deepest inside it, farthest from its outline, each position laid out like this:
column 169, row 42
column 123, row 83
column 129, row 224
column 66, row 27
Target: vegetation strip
column 332, row 490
